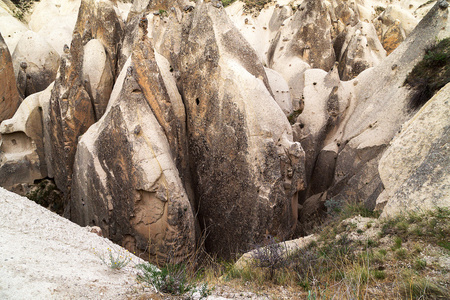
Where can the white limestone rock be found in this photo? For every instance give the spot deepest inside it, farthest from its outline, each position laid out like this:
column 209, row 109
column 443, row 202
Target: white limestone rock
column 415, row 169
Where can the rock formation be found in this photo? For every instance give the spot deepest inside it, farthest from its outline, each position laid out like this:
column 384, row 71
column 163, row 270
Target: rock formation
column 9, row 97
column 134, row 193
column 81, row 91
column 245, row 165
column 376, row 107
column 169, row 118
column 415, row 169
column 22, row 151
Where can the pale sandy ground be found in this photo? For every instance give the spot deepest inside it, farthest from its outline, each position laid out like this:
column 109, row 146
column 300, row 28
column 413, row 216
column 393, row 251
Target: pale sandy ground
column 44, row 256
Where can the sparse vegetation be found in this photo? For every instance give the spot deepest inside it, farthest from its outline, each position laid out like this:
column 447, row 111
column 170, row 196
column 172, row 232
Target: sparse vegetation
column 430, row 74
column 162, row 13
column 171, row 279
column 346, row 264
column 379, row 9
column 114, row 261
column 227, row 2
column 23, row 7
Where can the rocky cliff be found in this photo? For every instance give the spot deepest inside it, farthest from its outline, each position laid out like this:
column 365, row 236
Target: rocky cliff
column 171, row 123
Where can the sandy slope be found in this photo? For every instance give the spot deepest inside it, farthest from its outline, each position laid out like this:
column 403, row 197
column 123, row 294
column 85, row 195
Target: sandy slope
column 44, row 256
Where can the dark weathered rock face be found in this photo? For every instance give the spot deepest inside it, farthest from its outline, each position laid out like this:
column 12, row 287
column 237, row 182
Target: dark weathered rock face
column 247, row 170
column 134, row 193
column 9, row 96
column 74, row 106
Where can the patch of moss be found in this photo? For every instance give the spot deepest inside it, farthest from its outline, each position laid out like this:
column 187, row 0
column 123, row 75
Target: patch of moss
column 255, row 5
column 430, row 74
column 227, row 2
column 292, row 118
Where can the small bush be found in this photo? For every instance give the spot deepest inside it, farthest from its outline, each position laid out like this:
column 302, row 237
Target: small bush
column 270, row 257
column 401, row 253
column 171, row 279
column 420, row 264
column 115, row 261
column 397, row 243
column 379, row 274
column 418, row 287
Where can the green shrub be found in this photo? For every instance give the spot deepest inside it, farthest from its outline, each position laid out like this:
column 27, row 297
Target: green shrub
column 430, row 74
column 420, row 264
column 379, row 274
column 114, row 262
column 23, row 7
column 227, row 2
column 171, row 279
column 401, row 253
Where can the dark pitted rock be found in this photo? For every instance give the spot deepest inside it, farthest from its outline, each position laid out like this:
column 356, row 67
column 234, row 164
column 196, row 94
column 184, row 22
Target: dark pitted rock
column 246, row 169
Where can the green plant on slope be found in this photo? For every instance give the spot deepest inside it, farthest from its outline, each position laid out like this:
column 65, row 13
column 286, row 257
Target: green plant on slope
column 171, row 279
column 115, row 261
column 23, row 7
column 227, row 2
column 430, row 74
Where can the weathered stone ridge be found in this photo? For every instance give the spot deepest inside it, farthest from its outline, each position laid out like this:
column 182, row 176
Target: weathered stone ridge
column 135, row 193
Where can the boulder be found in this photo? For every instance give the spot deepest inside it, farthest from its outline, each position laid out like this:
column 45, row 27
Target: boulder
column 135, row 194
column 9, row 96
column 246, row 168
column 415, row 169
column 286, row 248
column 35, row 63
